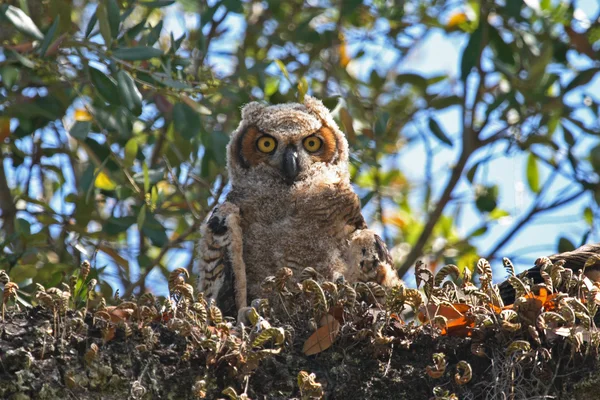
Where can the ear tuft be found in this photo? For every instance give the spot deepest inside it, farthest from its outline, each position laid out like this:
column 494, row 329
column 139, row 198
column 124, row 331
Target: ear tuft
column 251, row 110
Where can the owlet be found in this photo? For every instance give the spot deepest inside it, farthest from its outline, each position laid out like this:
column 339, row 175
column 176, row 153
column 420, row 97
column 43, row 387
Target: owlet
column 291, row 205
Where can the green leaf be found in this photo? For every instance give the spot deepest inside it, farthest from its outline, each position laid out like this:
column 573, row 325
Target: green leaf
column 116, row 225
column 26, row 62
column 81, row 129
column 478, row 232
column 486, row 198
column 106, row 86
column 155, row 231
column 21, row 21
column 568, row 135
column 90, row 25
column 128, row 92
column 146, row 178
column 302, row 89
column 117, row 120
column 595, row 158
column 10, row 75
column 438, row 132
column 471, row 52
column 156, row 4
column 186, row 120
column 565, row 245
column 366, row 198
column 176, row 43
column 588, row 215
column 114, row 19
column 105, row 30
column 537, row 70
column 49, row 36
column 498, row 213
column 283, row 69
column 471, row 172
column 533, row 174
column 141, row 218
column 412, row 79
column 582, row 78
column 23, row 226
column 503, row 51
column 513, row 7
column 131, row 150
column 154, row 34
column 381, row 124
column 154, row 196
column 441, row 102
column 139, row 53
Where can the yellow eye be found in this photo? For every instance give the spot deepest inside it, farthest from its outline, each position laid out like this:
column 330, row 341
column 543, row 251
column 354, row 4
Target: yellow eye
column 266, row 144
column 312, row 143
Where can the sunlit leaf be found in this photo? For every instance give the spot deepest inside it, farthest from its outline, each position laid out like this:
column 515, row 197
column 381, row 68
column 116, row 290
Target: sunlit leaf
column 82, row 114
column 457, row 19
column 533, row 174
column 104, row 182
column 21, row 21
column 282, row 68
column 588, row 215
column 302, row 89
column 131, row 150
column 498, row 213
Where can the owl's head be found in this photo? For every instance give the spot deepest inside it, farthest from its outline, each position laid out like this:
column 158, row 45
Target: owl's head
column 286, row 144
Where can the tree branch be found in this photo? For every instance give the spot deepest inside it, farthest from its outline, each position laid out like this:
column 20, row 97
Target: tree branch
column 535, row 209
column 9, row 210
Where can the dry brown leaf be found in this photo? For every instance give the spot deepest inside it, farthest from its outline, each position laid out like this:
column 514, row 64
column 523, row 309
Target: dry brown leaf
column 323, row 337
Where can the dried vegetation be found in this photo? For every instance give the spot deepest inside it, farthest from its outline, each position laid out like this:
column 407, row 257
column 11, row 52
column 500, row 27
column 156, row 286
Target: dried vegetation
column 308, row 338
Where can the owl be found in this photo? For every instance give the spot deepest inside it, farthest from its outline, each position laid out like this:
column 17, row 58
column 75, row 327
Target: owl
column 291, row 205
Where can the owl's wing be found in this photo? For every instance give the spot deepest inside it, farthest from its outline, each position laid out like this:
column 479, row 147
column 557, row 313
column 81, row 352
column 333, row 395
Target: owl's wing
column 371, row 257
column 222, row 269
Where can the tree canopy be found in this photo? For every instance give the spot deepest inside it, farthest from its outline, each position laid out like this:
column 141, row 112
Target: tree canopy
column 114, row 128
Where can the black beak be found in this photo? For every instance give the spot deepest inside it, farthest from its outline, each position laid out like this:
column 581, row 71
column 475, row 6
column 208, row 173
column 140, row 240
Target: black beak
column 290, row 165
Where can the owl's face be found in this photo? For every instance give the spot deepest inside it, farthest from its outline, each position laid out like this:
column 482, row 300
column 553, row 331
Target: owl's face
column 286, row 143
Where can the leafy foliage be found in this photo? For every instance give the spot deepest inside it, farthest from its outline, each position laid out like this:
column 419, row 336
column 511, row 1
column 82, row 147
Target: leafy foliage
column 114, row 128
